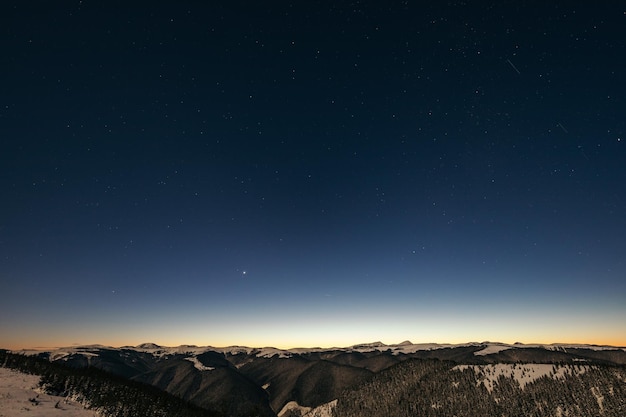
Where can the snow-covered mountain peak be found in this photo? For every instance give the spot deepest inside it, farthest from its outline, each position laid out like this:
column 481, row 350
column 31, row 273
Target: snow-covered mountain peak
column 372, row 345
column 149, row 346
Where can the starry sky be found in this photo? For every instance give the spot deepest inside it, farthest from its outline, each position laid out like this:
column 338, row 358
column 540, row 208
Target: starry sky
column 312, row 173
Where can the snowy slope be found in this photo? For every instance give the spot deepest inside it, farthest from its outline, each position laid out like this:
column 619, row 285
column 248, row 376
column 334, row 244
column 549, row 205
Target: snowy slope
column 19, row 397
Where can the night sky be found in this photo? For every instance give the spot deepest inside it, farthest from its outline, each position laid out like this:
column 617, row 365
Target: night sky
column 312, row 173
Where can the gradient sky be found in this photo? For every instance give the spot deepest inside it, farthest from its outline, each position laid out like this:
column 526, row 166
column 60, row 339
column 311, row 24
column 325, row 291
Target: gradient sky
column 312, row 173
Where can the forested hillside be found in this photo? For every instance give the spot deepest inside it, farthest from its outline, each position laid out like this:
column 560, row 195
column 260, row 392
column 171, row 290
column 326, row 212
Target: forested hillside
column 109, row 395
column 432, row 388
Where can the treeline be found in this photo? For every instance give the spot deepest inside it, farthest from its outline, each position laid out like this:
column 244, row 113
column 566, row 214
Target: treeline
column 432, row 388
column 109, row 395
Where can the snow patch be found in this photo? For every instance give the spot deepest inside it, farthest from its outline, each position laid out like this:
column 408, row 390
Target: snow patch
column 293, row 406
column 523, row 373
column 198, row 365
column 162, row 351
column 270, row 352
column 266, row 352
column 56, row 356
column 324, row 410
column 405, row 347
column 562, row 347
column 599, row 397
column 490, row 349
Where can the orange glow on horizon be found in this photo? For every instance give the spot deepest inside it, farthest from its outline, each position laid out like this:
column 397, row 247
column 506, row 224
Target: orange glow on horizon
column 17, row 345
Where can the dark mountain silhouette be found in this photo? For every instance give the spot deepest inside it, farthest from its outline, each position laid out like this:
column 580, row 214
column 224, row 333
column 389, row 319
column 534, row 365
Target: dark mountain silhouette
column 223, row 388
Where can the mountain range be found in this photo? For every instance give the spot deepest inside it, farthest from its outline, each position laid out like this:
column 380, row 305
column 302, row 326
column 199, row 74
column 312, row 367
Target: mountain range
column 270, row 382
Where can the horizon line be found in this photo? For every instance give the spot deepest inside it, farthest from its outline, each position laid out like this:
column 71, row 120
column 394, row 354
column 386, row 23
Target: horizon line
column 363, row 344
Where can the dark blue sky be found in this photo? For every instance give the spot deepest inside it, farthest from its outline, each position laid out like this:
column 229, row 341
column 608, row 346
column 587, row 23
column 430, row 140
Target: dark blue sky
column 323, row 173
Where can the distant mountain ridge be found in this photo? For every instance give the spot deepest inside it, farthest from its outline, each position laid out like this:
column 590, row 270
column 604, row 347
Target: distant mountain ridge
column 404, row 347
column 241, row 381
